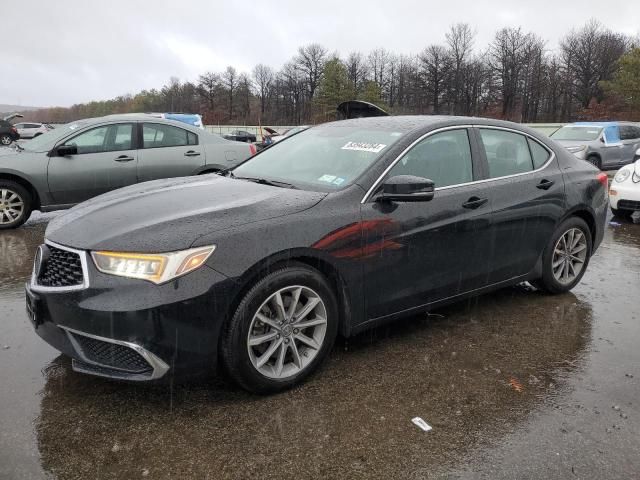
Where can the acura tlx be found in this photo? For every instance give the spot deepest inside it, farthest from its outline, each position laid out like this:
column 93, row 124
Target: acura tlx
column 333, row 230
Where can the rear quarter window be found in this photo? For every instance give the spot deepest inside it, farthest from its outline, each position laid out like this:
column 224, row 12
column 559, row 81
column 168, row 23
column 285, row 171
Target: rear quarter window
column 539, row 154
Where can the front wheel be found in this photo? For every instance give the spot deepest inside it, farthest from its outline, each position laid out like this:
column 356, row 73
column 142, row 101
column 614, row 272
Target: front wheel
column 15, row 205
column 566, row 257
column 595, row 161
column 282, row 330
column 5, row 140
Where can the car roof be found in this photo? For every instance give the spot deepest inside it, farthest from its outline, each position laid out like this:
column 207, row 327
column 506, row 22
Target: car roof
column 407, row 123
column 128, row 117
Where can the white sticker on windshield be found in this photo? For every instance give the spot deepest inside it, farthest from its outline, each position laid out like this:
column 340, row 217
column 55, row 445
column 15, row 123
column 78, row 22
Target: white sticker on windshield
column 327, row 178
column 338, row 181
column 364, row 147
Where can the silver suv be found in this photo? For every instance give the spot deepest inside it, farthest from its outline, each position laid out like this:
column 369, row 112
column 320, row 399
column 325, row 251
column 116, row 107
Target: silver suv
column 30, row 129
column 604, row 144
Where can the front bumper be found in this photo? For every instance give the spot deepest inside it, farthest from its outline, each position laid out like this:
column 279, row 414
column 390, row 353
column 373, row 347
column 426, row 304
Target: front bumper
column 626, row 197
column 132, row 329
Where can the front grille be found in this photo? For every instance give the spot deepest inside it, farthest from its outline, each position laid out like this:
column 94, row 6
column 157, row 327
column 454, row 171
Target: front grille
column 112, row 355
column 628, row 205
column 61, row 269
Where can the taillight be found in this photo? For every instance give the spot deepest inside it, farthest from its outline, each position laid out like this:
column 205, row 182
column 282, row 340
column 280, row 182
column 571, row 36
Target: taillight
column 252, row 149
column 603, row 179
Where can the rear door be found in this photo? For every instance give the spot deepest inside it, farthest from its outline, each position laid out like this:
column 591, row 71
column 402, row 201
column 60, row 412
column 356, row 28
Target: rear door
column 168, row 151
column 106, row 160
column 527, row 200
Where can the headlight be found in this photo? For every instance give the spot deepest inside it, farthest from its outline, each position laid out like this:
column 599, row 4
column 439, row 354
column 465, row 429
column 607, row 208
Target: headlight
column 157, row 268
column 576, row 149
column 622, row 175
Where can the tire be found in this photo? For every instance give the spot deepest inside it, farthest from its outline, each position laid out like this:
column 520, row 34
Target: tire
column 595, row 161
column 37, row 134
column 5, row 139
column 549, row 281
column 12, row 196
column 280, row 371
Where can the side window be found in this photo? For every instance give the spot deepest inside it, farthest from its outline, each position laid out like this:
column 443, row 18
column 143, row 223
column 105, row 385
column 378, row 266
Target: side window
column 539, row 154
column 625, row 133
column 192, row 138
column 107, row 138
column 507, row 152
column 612, row 134
column 156, row 135
column 444, row 158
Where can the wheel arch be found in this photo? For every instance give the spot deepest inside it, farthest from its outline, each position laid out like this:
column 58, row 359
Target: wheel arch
column 307, row 257
column 25, row 184
column 586, row 214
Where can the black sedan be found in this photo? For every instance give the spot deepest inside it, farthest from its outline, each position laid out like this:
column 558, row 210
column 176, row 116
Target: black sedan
column 240, row 136
column 344, row 226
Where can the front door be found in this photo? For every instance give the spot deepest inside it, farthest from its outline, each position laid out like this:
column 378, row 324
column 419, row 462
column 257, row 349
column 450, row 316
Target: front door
column 421, row 252
column 106, row 160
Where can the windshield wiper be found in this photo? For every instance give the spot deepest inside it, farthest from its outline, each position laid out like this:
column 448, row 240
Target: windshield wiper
column 264, row 181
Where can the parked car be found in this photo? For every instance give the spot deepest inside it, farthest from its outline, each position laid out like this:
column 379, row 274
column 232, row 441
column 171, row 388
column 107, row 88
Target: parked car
column 30, row 129
column 8, row 133
column 624, row 192
column 240, row 136
column 75, row 162
column 291, row 131
column 604, row 144
column 342, row 227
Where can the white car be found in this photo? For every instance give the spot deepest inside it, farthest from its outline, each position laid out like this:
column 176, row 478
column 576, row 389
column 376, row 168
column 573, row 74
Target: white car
column 31, row 130
column 624, row 193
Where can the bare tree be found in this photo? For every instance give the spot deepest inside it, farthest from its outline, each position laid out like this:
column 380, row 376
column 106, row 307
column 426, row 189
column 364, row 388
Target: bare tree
column 310, row 61
column 356, row 70
column 208, row 86
column 434, row 67
column 263, row 77
column 230, row 82
column 460, row 39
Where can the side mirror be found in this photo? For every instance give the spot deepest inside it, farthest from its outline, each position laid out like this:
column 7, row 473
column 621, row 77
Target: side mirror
column 407, row 188
column 66, row 150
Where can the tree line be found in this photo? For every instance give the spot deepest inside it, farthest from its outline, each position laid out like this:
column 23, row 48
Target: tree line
column 516, row 77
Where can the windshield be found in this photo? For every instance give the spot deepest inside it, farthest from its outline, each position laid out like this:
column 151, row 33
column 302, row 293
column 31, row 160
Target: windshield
column 583, row 134
column 46, row 141
column 323, row 158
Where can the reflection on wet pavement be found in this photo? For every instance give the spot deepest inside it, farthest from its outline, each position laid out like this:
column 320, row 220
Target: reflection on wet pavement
column 498, row 378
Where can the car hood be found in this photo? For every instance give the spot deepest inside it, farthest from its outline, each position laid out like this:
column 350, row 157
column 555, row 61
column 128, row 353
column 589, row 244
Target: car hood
column 169, row 215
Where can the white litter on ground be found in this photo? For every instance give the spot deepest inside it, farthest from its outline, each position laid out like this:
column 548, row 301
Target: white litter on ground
column 421, row 424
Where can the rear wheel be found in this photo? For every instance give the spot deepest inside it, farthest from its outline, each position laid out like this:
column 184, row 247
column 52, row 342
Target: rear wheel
column 282, row 330
column 595, row 161
column 15, row 204
column 566, row 257
column 5, row 139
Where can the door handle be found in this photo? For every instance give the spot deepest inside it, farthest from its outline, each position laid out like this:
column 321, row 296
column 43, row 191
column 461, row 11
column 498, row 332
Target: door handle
column 474, row 202
column 124, row 158
column 191, row 153
column 545, row 184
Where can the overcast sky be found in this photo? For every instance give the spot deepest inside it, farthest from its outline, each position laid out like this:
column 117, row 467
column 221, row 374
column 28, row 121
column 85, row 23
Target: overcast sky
column 63, row 52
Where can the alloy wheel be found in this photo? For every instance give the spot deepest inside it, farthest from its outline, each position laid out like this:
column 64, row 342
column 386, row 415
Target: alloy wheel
column 11, row 206
column 5, row 140
column 569, row 256
column 287, row 332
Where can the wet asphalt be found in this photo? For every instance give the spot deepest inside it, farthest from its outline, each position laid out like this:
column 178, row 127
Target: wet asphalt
column 516, row 384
